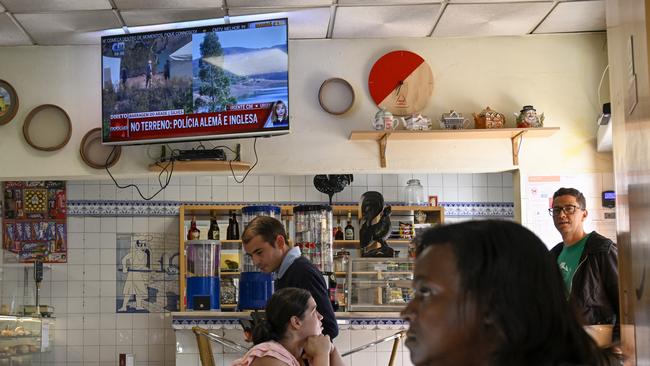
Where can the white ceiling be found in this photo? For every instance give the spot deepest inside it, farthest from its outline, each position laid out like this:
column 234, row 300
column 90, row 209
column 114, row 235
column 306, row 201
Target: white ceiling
column 74, row 22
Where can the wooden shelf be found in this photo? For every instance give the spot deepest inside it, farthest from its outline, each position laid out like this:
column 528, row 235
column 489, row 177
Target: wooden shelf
column 230, row 241
column 202, row 166
column 344, row 243
column 514, row 134
column 229, row 273
column 224, row 210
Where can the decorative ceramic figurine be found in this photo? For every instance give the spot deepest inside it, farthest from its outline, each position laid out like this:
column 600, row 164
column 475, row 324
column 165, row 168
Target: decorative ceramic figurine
column 417, row 122
column 453, row 121
column 489, row 118
column 384, row 120
column 374, row 226
column 528, row 117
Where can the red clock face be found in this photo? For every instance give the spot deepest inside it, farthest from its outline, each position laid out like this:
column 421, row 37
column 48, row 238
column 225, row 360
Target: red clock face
column 401, row 82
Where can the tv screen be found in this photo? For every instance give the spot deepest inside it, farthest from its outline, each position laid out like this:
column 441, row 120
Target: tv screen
column 222, row 81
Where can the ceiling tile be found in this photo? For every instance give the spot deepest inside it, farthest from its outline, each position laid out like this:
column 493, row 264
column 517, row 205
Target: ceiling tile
column 135, row 18
column 277, row 3
column 303, row 23
column 494, row 19
column 167, row 4
column 384, row 21
column 79, row 27
column 386, row 2
column 575, row 16
column 11, row 34
column 41, row 6
column 496, row 1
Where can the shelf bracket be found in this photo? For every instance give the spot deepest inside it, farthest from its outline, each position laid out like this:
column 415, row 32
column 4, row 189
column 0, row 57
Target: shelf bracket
column 516, row 145
column 383, row 141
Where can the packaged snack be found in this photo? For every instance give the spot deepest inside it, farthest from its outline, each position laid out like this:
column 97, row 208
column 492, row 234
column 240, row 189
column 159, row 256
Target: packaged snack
column 405, row 230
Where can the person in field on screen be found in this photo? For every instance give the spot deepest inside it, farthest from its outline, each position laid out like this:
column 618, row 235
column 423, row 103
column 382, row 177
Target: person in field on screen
column 148, row 74
column 489, row 293
column 166, row 70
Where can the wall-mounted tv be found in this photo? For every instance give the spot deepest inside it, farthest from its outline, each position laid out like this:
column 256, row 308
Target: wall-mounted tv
column 211, row 82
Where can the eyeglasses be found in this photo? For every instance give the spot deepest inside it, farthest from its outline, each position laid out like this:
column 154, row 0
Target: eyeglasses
column 568, row 210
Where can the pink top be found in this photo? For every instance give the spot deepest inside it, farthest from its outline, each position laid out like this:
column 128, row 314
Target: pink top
column 270, row 349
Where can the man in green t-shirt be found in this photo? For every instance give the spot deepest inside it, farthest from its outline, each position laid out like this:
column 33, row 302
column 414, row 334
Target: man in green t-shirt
column 588, row 261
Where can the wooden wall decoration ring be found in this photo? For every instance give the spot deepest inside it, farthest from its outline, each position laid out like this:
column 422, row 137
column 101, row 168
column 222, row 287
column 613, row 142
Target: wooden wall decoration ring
column 30, row 118
column 8, row 102
column 93, row 139
column 336, row 96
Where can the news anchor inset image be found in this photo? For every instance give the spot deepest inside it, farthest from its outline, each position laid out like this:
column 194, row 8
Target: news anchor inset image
column 195, row 83
column 279, row 116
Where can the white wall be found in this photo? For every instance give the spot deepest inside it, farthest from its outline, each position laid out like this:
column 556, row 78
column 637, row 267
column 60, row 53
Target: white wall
column 558, row 74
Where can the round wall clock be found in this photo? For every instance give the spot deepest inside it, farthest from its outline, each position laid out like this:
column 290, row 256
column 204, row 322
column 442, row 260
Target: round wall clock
column 401, row 82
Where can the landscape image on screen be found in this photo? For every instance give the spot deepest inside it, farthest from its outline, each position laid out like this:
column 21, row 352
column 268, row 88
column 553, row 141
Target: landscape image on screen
column 195, row 83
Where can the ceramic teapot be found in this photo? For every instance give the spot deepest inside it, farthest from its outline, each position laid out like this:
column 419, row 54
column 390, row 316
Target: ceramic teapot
column 528, row 117
column 489, row 118
column 384, row 120
column 453, row 121
column 417, row 122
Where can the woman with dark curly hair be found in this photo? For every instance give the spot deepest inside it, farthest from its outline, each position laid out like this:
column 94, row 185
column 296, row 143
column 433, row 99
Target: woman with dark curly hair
column 291, row 334
column 488, row 293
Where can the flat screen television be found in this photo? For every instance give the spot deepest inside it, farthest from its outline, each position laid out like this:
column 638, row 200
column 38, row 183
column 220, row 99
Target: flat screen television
column 210, row 82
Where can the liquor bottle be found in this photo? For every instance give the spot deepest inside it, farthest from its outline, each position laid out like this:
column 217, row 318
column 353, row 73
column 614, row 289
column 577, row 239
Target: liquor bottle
column 213, row 231
column 349, row 230
column 334, row 300
column 338, row 231
column 193, row 233
column 232, row 232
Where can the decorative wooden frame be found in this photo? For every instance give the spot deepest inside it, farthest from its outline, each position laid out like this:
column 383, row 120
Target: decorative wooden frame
column 7, row 113
column 91, row 137
column 324, row 104
column 30, row 117
column 433, row 200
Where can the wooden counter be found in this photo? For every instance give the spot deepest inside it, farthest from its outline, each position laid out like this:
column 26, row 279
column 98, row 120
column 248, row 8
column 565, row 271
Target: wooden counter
column 230, row 320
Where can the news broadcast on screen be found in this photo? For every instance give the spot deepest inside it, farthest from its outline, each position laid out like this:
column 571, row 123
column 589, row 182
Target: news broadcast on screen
column 222, row 81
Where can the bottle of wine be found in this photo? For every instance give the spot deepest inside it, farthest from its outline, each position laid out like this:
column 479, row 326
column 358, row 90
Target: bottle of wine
column 349, row 230
column 338, row 231
column 193, row 233
column 331, row 284
column 232, row 232
column 213, row 231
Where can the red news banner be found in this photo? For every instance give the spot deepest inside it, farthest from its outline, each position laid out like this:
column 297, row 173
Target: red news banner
column 238, row 118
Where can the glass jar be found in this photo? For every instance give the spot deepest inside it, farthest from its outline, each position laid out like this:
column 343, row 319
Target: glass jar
column 415, row 193
column 341, row 261
column 248, row 213
column 313, row 234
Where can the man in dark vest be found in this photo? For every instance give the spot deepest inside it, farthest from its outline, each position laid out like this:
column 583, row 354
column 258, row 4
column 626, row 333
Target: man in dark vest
column 265, row 240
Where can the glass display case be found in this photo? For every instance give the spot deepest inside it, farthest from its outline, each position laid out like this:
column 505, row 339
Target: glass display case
column 379, row 284
column 23, row 339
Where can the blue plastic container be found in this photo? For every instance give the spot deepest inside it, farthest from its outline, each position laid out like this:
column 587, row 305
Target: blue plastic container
column 202, row 271
column 255, row 287
column 203, row 286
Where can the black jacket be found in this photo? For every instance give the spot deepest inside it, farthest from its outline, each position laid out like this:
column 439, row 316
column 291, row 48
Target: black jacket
column 303, row 274
column 595, row 282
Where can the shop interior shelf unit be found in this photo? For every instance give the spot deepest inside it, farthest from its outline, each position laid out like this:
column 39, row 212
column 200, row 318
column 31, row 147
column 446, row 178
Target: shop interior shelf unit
column 515, row 135
column 433, row 215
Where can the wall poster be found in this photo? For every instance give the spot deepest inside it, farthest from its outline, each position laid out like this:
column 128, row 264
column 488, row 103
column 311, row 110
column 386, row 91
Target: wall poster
column 147, row 273
column 34, row 221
